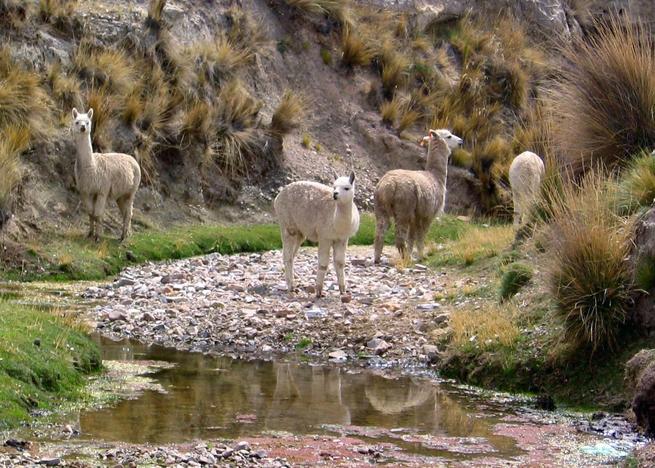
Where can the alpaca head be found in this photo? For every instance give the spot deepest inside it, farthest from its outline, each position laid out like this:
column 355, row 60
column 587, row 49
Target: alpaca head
column 452, row 141
column 344, row 189
column 82, row 122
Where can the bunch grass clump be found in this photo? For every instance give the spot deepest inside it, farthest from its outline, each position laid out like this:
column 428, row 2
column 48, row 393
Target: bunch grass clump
column 23, row 102
column 15, row 140
column 603, row 106
column 289, row 114
column 589, row 275
column 516, row 275
column 637, row 184
column 355, row 51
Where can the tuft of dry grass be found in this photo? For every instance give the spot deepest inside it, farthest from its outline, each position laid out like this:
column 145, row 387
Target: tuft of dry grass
column 65, row 90
column 354, row 50
column 15, row 140
column 588, row 273
column 104, row 111
column 197, row 121
column 289, row 114
column 339, row 10
column 23, row 102
column 13, row 13
column 155, row 18
column 488, row 327
column 637, row 184
column 603, row 105
column 109, row 68
column 236, row 119
column 61, row 14
column 216, row 61
column 390, row 111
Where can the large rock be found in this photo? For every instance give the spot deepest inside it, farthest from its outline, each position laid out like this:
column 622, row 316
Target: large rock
column 640, row 380
column 644, row 252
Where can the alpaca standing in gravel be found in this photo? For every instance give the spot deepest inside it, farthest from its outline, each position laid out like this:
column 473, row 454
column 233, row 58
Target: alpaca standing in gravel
column 414, row 198
column 323, row 214
column 525, row 175
column 103, row 176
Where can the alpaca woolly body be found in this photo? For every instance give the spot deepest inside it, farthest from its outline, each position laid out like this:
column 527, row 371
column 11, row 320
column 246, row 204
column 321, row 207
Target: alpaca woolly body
column 414, row 198
column 100, row 177
column 525, row 175
column 323, row 214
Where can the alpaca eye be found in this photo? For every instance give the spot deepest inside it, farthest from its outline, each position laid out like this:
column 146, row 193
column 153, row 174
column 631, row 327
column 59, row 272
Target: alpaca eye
column 347, row 188
column 450, row 136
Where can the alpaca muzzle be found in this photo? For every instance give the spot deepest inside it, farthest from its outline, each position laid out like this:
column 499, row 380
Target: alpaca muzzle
column 335, row 195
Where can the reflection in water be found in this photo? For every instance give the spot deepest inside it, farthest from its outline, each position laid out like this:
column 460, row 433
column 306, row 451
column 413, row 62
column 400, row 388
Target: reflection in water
column 222, row 397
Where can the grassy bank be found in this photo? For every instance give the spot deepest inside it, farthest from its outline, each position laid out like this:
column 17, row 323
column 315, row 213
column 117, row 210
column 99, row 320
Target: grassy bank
column 43, row 359
column 70, row 256
column 505, row 332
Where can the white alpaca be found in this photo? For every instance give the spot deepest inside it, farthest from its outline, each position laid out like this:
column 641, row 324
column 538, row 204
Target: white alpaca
column 323, row 214
column 525, row 175
column 103, row 176
column 414, row 198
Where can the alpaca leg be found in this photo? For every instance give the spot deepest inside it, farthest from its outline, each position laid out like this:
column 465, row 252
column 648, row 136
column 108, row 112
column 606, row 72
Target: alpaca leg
column 87, row 202
column 381, row 227
column 288, row 249
column 339, row 253
column 420, row 241
column 402, row 233
column 323, row 260
column 98, row 213
column 125, row 206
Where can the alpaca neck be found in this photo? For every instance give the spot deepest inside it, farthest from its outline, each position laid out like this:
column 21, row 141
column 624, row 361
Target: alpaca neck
column 343, row 216
column 84, row 151
column 437, row 160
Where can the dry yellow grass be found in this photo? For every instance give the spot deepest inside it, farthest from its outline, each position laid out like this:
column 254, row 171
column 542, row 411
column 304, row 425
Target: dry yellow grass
column 487, row 327
column 15, row 140
column 289, row 113
column 479, row 243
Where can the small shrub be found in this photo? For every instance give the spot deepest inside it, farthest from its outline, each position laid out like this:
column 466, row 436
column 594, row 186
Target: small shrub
column 637, row 185
column 355, row 52
column 603, row 106
column 197, row 121
column 13, row 13
column 408, row 116
column 326, row 56
column 515, row 277
column 288, row 115
column 248, row 33
column 306, row 140
column 589, row 275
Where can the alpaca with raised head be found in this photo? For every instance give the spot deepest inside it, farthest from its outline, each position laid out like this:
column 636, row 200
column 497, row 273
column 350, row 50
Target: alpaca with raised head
column 323, row 214
column 103, row 176
column 413, row 198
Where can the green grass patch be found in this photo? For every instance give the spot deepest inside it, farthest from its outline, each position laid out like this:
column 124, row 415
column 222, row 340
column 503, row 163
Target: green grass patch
column 515, row 277
column 70, row 256
column 43, row 360
column 303, row 343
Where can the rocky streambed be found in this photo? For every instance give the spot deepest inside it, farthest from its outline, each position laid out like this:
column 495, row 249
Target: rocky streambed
column 240, row 304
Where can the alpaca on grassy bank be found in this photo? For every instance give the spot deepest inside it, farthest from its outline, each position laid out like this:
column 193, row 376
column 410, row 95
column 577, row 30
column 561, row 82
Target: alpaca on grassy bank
column 414, row 198
column 103, row 176
column 525, row 175
column 323, row 214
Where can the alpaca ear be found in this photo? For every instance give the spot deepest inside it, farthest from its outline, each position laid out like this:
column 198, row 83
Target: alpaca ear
column 90, row 113
column 352, row 178
column 75, row 113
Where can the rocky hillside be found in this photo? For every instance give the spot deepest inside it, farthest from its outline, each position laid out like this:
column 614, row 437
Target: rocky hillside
column 222, row 102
